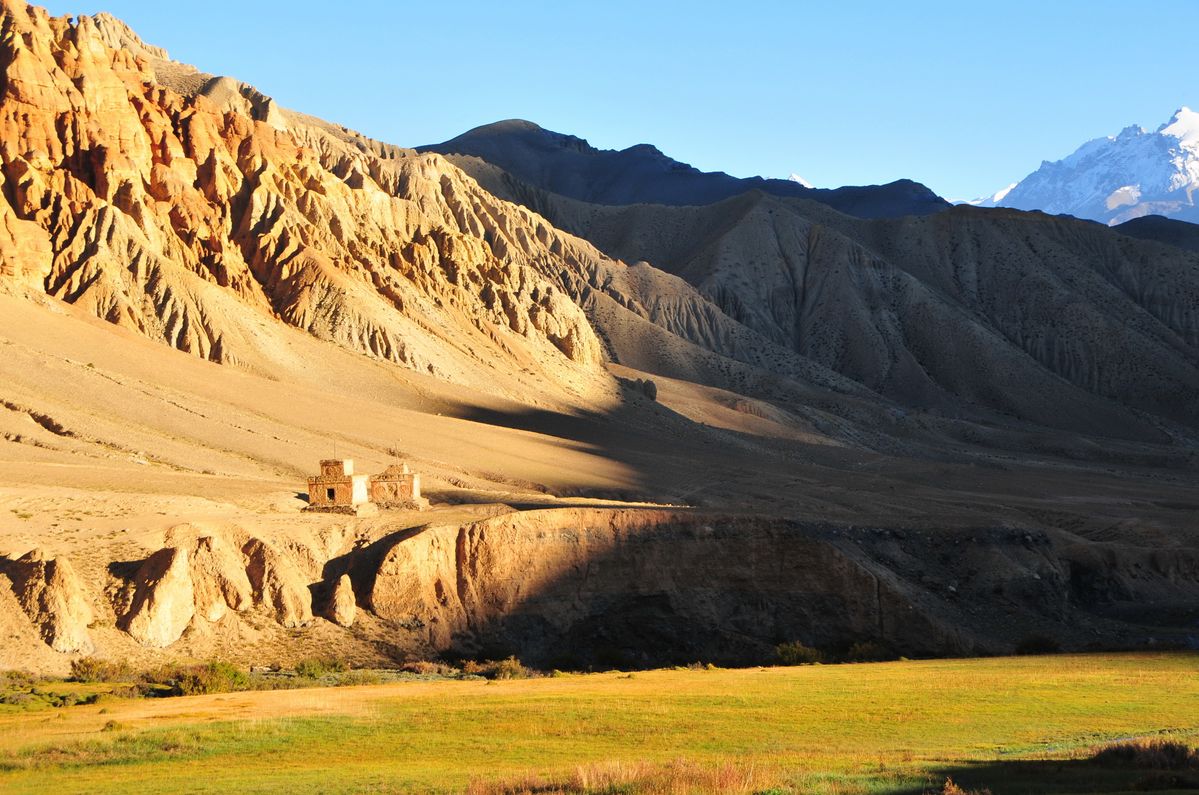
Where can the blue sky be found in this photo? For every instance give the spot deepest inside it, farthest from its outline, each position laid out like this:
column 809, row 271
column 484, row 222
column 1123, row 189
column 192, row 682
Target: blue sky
column 964, row 96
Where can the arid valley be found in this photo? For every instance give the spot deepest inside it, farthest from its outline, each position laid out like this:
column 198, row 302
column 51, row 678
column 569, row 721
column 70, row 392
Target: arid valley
column 662, row 419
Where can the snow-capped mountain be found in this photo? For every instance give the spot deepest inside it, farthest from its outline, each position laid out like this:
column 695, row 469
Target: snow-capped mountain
column 1118, row 178
column 994, row 200
column 797, row 178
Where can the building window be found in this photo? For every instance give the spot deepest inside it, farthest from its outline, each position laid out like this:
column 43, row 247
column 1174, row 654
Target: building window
column 330, row 494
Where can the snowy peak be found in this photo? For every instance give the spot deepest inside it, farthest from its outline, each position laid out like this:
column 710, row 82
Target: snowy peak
column 1184, row 126
column 1135, row 173
column 797, row 178
column 994, row 199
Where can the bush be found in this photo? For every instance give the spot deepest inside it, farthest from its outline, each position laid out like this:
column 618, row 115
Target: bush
column 427, row 668
column 195, row 680
column 315, row 667
column 868, row 651
column 93, row 669
column 796, row 653
column 1038, row 644
column 510, row 668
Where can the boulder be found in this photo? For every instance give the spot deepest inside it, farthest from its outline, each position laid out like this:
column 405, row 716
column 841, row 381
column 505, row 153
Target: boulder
column 164, row 599
column 278, row 584
column 52, row 595
column 342, row 607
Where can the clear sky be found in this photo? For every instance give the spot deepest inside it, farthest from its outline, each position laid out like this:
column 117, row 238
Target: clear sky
column 964, row 96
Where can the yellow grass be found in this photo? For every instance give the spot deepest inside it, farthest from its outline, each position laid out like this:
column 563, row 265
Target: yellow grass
column 884, row 727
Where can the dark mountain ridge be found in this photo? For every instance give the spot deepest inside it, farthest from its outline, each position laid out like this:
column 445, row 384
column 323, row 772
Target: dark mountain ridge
column 642, row 174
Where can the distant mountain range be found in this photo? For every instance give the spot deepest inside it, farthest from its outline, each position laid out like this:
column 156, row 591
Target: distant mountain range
column 1117, row 178
column 569, row 166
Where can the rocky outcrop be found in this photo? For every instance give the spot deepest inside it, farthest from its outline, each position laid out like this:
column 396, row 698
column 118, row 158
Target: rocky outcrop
column 342, row 608
column 278, row 584
column 164, row 600
column 586, row 588
column 637, row 588
column 52, row 596
column 219, row 578
column 191, row 208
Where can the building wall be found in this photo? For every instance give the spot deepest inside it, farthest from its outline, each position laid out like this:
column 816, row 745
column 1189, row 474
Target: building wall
column 337, row 468
column 392, row 490
column 347, row 491
column 360, row 489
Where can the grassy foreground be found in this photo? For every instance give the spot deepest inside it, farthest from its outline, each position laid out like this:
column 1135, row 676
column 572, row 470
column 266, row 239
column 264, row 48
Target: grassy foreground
column 871, row 728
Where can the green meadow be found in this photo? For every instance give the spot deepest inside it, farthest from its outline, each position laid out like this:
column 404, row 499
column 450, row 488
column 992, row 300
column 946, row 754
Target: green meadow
column 1018, row 724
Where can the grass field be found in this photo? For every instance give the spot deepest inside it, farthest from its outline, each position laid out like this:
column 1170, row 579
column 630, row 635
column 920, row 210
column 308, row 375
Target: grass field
column 1019, row 724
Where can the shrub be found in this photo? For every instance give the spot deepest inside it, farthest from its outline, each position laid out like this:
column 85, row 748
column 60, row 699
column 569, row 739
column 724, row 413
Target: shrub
column 796, row 653
column 360, row 677
column 510, row 668
column 93, row 669
column 868, row 651
column 427, row 668
column 1038, row 644
column 315, row 667
column 195, row 680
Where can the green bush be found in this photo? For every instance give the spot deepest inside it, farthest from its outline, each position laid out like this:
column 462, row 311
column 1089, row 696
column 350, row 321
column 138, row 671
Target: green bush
column 195, row 680
column 510, row 668
column 93, row 669
column 316, row 667
column 796, row 653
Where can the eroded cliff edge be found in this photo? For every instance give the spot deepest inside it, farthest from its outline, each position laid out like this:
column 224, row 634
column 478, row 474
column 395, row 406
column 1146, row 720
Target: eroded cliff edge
column 584, row 588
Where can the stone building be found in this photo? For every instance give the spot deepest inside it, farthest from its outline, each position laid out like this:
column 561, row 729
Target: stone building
column 396, row 487
column 337, row 489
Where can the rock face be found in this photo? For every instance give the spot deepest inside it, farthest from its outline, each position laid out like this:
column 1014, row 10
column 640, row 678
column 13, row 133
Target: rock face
column 51, row 594
column 164, row 599
column 585, row 588
column 190, row 209
column 219, row 578
column 343, row 608
column 278, row 584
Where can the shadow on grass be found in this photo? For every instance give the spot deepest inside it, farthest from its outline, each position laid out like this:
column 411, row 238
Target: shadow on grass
column 1037, row 777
